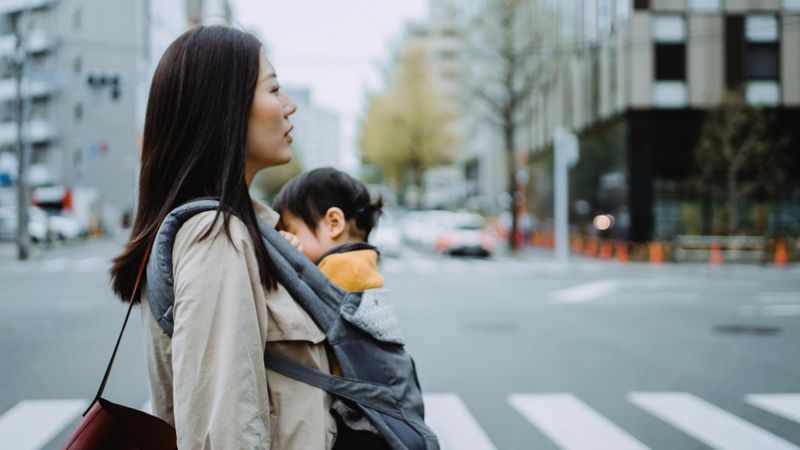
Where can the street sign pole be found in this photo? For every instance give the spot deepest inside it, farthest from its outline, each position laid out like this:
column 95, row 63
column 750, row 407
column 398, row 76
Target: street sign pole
column 23, row 200
column 566, row 154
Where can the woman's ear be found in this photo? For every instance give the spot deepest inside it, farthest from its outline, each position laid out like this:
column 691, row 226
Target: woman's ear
column 335, row 222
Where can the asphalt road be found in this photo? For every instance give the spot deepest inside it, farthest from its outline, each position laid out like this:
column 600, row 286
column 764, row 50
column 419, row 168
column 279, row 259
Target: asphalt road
column 512, row 352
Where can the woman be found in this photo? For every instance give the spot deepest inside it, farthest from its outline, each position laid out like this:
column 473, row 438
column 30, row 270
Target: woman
column 215, row 117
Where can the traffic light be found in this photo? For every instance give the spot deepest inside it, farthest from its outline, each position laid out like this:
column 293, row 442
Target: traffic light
column 111, row 80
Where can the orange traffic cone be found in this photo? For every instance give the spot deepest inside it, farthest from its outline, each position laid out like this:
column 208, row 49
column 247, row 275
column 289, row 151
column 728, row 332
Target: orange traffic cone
column 622, row 252
column 591, row 248
column 780, row 254
column 577, row 245
column 716, row 255
column 605, row 250
column 656, row 253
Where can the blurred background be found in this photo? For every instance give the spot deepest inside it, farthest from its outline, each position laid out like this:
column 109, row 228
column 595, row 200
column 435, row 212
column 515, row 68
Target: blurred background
column 592, row 220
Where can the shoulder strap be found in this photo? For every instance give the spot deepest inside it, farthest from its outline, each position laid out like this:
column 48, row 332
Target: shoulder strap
column 124, row 324
column 302, row 279
column 373, row 395
column 350, row 247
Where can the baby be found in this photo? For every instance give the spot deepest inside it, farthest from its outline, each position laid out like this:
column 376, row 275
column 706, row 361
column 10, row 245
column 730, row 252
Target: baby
column 332, row 215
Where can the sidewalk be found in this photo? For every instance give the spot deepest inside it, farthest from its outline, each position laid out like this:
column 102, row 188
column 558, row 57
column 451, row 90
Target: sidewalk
column 543, row 256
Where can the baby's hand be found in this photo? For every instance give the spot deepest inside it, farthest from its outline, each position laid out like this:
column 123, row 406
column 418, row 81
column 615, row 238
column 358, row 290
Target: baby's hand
column 292, row 239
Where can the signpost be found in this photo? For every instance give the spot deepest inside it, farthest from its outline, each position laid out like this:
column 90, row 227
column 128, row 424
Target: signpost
column 565, row 156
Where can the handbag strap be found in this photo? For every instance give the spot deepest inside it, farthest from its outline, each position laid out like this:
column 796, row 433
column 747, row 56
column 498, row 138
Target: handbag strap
column 124, row 324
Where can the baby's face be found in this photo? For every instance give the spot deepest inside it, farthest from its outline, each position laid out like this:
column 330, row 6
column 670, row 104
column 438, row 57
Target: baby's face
column 313, row 246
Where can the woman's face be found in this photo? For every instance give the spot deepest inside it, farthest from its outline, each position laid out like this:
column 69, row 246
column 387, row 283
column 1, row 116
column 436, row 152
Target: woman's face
column 268, row 137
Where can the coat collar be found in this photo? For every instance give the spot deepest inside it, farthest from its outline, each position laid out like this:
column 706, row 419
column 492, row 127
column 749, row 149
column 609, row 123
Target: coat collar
column 265, row 213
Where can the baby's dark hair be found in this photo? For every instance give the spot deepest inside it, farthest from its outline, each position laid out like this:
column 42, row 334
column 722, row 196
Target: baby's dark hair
column 309, row 196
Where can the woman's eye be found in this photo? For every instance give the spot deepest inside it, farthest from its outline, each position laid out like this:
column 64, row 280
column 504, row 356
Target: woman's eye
column 275, row 89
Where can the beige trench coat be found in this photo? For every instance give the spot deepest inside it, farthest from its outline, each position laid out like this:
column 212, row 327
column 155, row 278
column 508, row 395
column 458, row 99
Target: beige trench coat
column 209, row 380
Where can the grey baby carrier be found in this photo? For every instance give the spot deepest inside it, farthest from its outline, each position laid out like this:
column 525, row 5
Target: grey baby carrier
column 379, row 379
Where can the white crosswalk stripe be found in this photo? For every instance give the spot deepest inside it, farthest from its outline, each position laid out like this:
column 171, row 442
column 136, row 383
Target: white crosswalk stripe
column 708, row 423
column 562, row 418
column 585, row 292
column 786, row 405
column 452, row 422
column 31, row 424
column 571, row 424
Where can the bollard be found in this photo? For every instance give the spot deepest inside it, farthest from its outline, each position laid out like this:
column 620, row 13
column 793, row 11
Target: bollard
column 605, row 250
column 590, row 249
column 656, row 253
column 780, row 254
column 577, row 245
column 622, row 252
column 716, row 255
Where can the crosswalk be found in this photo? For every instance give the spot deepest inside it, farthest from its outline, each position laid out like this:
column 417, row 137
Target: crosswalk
column 565, row 420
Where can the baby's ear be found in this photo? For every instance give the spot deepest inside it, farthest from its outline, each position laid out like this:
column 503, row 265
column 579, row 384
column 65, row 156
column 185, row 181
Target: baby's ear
column 335, row 222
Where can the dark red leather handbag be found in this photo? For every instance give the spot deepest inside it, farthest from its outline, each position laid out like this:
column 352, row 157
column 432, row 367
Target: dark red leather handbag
column 109, row 426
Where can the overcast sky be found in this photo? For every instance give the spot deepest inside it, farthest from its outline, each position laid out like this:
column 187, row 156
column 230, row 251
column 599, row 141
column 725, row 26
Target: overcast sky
column 334, row 47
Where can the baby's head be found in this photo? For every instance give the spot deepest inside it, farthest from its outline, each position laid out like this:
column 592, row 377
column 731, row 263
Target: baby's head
column 326, row 208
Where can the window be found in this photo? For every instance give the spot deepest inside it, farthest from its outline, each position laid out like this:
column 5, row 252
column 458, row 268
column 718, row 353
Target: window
column 669, row 36
column 669, row 28
column 78, row 112
column 761, row 28
column 762, row 60
column 765, row 93
column 791, row 5
column 670, row 62
column 705, row 5
column 77, row 64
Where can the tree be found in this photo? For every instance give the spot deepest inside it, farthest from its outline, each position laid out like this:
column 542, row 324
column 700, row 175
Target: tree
column 509, row 43
column 408, row 128
column 737, row 155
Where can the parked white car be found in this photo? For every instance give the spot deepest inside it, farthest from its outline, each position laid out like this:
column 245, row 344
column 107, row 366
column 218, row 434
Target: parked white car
column 388, row 235
column 41, row 225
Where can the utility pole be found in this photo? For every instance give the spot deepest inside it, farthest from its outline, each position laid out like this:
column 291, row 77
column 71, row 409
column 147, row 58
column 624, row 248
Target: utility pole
column 23, row 197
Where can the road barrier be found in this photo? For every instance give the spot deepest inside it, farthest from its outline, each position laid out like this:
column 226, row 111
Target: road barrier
column 714, row 250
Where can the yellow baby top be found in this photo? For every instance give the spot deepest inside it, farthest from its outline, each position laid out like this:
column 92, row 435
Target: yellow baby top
column 354, row 270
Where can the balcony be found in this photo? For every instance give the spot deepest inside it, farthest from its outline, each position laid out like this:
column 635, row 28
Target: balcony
column 12, row 6
column 41, row 131
column 31, row 88
column 38, row 41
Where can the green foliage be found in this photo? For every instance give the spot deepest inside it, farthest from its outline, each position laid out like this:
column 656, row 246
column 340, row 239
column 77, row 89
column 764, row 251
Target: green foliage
column 692, row 216
column 738, row 157
column 408, row 128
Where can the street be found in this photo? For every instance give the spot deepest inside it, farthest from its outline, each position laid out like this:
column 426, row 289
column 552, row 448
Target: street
column 513, row 352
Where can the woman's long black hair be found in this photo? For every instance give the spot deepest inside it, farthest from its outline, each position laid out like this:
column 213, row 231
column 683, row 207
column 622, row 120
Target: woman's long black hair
column 195, row 141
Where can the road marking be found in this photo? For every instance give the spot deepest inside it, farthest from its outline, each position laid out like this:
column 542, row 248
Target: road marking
column 785, row 405
column 31, row 424
column 452, row 422
column 584, row 292
column 770, row 310
column 779, row 297
column 571, row 424
column 707, row 423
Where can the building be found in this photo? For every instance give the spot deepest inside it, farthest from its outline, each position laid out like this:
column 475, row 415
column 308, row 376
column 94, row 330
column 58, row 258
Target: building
column 649, row 75
column 635, row 80
column 86, row 81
